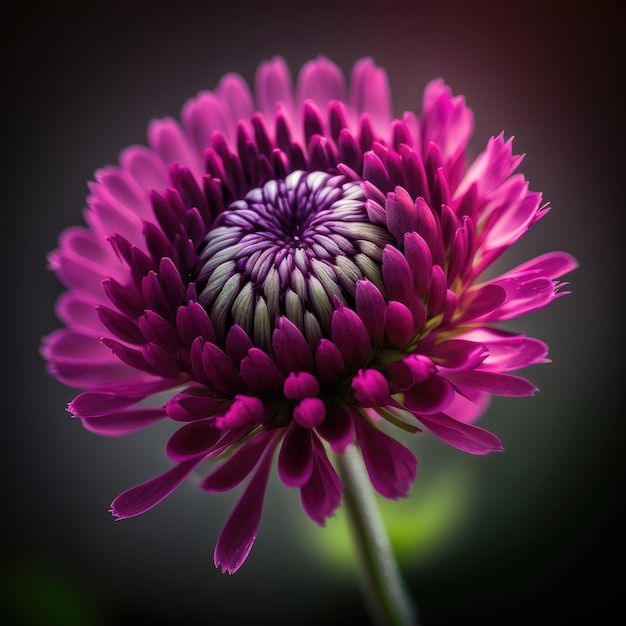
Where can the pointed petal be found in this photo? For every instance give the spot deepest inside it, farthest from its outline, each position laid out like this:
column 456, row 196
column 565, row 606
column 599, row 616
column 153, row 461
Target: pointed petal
column 147, row 495
column 237, row 537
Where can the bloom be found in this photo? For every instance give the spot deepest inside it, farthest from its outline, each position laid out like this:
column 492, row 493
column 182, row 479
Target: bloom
column 297, row 271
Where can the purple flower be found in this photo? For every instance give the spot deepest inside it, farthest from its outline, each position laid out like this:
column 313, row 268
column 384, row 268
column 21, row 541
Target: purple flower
column 295, row 269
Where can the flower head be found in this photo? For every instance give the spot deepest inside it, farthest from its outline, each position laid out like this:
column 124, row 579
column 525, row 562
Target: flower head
column 294, row 270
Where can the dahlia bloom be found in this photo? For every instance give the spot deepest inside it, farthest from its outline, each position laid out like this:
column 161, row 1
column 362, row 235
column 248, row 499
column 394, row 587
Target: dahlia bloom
column 299, row 273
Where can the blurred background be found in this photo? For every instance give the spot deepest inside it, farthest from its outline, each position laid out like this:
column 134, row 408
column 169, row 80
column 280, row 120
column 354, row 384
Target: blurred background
column 531, row 535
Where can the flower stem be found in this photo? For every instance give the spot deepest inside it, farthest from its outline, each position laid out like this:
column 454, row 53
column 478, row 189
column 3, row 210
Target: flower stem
column 384, row 590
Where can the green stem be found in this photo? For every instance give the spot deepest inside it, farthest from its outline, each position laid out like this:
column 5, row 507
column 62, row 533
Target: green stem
column 384, row 590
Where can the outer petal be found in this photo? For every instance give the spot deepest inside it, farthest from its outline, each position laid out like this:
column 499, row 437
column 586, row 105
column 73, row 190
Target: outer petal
column 240, row 531
column 321, row 495
column 147, row 495
column 462, row 436
column 391, row 466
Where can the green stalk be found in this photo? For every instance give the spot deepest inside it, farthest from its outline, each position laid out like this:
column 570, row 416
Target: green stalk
column 385, row 593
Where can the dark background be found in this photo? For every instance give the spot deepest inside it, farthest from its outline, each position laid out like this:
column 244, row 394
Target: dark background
column 532, row 535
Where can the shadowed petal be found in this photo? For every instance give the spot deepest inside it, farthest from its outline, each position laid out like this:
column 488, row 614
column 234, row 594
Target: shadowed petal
column 462, row 436
column 147, row 495
column 391, row 466
column 237, row 537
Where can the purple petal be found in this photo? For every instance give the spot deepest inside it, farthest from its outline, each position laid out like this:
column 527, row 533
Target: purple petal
column 370, row 388
column 337, row 428
column 260, row 373
column 142, row 498
column 391, row 466
column 310, row 412
column 369, row 93
column 496, row 383
column 192, row 440
column 371, row 308
column 401, row 213
column 295, row 460
column 420, row 261
column 240, row 531
column 431, row 396
column 321, row 495
column 244, row 410
column 396, row 275
column 123, row 422
column 457, row 355
column 291, row 348
column 300, row 385
column 399, row 324
column 320, row 81
column 237, row 467
column 462, row 436
column 350, row 335
column 329, row 363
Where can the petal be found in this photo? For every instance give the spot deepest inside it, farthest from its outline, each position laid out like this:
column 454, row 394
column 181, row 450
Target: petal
column 123, row 422
column 300, row 385
column 350, row 335
column 244, row 410
column 496, row 383
column 147, row 495
column 320, row 81
column 295, row 460
column 391, row 466
column 310, row 412
column 321, row 495
column 431, row 396
column 337, row 428
column 462, row 436
column 192, row 440
column 370, row 388
column 241, row 528
column 237, row 467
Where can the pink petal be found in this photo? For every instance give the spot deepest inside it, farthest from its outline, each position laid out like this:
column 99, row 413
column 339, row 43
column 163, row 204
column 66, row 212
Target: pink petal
column 147, row 495
column 462, row 436
column 192, row 440
column 350, row 335
column 431, row 396
column 300, row 385
column 295, row 459
column 321, row 495
column 370, row 388
column 310, row 412
column 391, row 466
column 369, row 93
column 240, row 531
column 244, row 410
column 329, row 363
column 237, row 467
column 337, row 428
column 123, row 422
column 496, row 383
column 320, row 81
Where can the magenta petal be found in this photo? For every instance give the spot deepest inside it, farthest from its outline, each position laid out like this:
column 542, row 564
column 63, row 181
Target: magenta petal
column 431, row 396
column 370, row 388
column 300, row 385
column 244, row 410
column 241, row 528
column 457, row 355
column 291, row 348
column 123, row 422
column 391, row 466
column 142, row 498
column 350, row 335
column 260, row 374
column 320, row 81
column 310, row 412
column 399, row 324
column 295, row 460
column 371, row 308
column 329, row 363
column 237, row 467
column 496, row 383
column 397, row 275
column 462, row 436
column 192, row 440
column 321, row 495
column 337, row 428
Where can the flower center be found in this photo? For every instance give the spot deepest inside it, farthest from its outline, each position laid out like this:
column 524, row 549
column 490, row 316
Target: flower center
column 289, row 248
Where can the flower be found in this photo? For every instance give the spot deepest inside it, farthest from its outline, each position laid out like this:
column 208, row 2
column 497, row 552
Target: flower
column 299, row 273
